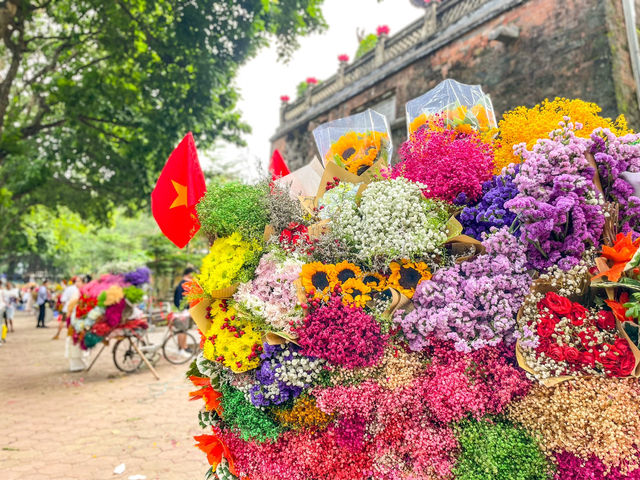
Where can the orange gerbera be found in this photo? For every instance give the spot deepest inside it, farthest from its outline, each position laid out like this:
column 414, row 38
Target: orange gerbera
column 621, row 253
column 215, row 449
column 406, row 275
column 210, row 396
column 193, row 291
column 618, row 309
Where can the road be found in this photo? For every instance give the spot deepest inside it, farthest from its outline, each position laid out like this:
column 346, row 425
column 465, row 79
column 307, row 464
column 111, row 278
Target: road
column 60, row 425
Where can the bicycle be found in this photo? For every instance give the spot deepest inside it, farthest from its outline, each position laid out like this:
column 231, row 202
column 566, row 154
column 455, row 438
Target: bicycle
column 131, row 345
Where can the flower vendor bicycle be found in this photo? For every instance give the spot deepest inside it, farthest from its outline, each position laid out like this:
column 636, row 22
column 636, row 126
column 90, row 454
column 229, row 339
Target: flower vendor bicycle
column 132, row 348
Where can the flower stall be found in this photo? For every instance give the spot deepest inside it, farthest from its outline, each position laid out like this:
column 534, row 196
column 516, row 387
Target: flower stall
column 468, row 311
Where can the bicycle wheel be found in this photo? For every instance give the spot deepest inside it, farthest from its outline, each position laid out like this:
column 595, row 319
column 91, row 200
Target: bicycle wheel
column 176, row 355
column 125, row 356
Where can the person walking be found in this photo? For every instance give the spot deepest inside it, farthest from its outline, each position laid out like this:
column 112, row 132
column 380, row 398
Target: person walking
column 3, row 303
column 183, row 319
column 70, row 292
column 11, row 296
column 41, row 301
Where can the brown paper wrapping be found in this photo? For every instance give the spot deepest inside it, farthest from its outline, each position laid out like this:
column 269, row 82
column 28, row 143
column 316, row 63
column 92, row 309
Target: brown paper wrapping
column 302, row 296
column 634, row 349
column 318, row 229
column 547, row 382
column 308, row 205
column 226, row 292
column 399, row 301
column 280, row 338
column 269, row 232
column 334, row 170
column 199, row 314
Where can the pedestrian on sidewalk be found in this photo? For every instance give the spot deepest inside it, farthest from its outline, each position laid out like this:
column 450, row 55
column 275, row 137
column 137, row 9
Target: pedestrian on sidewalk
column 182, row 320
column 11, row 296
column 41, row 300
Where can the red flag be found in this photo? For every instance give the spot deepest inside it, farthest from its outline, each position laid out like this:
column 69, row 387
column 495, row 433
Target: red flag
column 180, row 186
column 277, row 167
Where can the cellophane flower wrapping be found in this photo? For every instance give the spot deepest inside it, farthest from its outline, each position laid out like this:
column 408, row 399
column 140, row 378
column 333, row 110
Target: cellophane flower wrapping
column 355, row 143
column 441, row 319
column 456, row 105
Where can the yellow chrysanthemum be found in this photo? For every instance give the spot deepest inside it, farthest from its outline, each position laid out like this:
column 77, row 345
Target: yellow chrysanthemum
column 232, row 340
column 304, row 414
column 224, row 263
column 346, row 270
column 527, row 125
column 355, row 293
column 405, row 276
column 318, row 278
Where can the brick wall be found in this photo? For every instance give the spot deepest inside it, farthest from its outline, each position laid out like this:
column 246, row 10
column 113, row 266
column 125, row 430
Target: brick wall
column 573, row 48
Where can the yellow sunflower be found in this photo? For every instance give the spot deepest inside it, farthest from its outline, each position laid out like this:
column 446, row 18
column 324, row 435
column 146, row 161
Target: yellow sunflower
column 356, row 152
column 405, row 276
column 318, row 278
column 355, row 293
column 346, row 271
column 374, row 280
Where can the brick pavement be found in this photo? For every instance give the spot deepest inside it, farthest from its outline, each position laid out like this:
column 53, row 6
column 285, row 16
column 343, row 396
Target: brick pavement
column 57, row 425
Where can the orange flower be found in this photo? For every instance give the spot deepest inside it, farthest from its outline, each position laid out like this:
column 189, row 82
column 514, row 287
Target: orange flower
column 215, row 449
column 621, row 253
column 210, row 396
column 618, row 307
column 193, row 291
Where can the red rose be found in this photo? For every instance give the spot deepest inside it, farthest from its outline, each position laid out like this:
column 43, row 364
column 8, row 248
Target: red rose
column 546, row 326
column 577, row 314
column 571, row 355
column 559, row 305
column 627, row 363
column 606, row 320
column 556, row 352
column 543, row 345
column 610, row 359
column 588, row 358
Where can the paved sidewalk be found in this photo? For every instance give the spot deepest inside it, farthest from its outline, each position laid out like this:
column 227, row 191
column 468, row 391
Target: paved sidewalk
column 58, row 425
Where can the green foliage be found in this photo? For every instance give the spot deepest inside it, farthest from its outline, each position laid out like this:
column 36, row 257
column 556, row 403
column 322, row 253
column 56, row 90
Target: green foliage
column 301, row 89
column 248, row 421
column 133, row 294
column 99, row 92
column 367, row 44
column 497, row 449
column 230, row 206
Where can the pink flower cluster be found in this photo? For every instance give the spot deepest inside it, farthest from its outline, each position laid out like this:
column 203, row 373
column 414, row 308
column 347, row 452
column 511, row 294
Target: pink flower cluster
column 447, row 161
column 95, row 287
column 479, row 383
column 343, row 335
column 571, row 467
column 383, row 30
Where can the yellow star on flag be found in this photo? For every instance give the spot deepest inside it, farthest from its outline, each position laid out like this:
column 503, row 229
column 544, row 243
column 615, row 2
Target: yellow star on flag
column 181, row 199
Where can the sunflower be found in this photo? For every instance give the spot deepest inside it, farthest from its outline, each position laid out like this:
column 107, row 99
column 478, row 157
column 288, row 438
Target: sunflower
column 346, row 271
column 356, row 152
column 355, row 293
column 318, row 278
column 374, row 280
column 405, row 276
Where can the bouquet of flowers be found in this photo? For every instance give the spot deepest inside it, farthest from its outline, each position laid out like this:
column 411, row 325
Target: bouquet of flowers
column 355, row 143
column 433, row 319
column 107, row 304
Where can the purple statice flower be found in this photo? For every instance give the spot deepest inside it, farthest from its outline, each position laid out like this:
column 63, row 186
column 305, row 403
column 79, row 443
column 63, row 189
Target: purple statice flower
column 490, row 210
column 138, row 276
column 472, row 304
column 558, row 208
column 614, row 156
column 283, row 375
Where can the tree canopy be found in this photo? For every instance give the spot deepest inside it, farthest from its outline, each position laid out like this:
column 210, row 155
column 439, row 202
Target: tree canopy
column 94, row 94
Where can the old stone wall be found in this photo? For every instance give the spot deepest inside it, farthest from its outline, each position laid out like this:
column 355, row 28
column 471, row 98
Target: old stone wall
column 573, row 48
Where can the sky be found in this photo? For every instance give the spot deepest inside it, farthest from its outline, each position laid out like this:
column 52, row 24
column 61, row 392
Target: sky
column 263, row 79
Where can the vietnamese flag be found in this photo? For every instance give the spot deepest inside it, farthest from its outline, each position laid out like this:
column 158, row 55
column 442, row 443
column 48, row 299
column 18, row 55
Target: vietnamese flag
column 277, row 167
column 180, row 187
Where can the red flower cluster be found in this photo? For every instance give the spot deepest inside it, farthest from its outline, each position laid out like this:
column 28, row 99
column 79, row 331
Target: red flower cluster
column 85, row 305
column 312, row 80
column 343, row 57
column 284, row 98
column 559, row 316
column 296, row 237
column 383, row 29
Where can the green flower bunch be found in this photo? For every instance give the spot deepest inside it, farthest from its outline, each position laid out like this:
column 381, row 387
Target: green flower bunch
column 248, row 421
column 496, row 449
column 231, row 206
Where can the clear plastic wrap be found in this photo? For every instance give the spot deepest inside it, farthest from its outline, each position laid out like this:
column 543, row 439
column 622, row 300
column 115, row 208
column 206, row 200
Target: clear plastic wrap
column 458, row 105
column 355, row 143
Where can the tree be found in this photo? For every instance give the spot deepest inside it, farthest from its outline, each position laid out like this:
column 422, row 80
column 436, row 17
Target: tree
column 96, row 93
